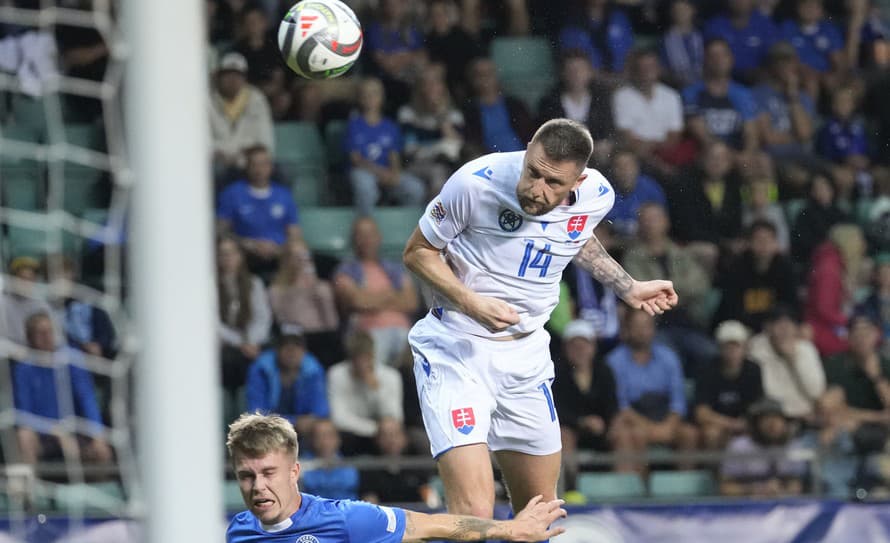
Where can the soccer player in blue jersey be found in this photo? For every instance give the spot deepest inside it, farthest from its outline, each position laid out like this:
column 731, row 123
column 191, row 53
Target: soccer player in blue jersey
column 263, row 449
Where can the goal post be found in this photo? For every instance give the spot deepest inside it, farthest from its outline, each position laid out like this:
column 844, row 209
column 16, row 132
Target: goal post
column 179, row 452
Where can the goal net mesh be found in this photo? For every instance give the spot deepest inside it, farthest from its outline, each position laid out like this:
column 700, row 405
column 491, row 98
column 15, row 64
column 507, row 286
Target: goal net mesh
column 64, row 190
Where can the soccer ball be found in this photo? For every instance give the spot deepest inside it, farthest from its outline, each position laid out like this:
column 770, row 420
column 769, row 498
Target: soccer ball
column 320, row 38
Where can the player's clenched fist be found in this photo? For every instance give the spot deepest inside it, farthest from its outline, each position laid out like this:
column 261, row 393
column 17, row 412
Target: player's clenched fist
column 494, row 314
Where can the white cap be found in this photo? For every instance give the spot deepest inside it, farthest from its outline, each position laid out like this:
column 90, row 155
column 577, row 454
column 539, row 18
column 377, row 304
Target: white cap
column 579, row 328
column 233, row 62
column 731, row 331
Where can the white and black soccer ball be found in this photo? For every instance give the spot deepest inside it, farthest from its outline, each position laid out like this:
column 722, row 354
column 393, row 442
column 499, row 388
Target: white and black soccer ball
column 320, row 39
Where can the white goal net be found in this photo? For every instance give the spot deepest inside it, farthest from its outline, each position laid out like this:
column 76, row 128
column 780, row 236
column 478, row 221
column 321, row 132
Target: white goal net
column 89, row 406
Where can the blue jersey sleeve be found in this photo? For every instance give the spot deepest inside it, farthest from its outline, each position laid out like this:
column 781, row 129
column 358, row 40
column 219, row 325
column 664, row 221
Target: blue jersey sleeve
column 292, row 212
column 226, row 206
column 691, row 99
column 367, row 523
column 835, row 38
column 573, row 37
column 621, row 39
column 614, row 363
column 743, row 101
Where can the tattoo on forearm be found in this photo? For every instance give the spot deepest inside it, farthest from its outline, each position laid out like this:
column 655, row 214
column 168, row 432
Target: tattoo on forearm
column 594, row 258
column 471, row 528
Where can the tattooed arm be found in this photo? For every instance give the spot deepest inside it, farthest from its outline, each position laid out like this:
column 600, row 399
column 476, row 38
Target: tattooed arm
column 651, row 296
column 531, row 524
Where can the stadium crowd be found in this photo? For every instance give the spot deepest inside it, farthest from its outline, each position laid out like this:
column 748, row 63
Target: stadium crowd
column 748, row 142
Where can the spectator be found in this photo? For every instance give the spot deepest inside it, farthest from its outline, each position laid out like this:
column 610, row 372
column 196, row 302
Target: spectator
column 717, row 108
column 487, row 20
column 244, row 315
column 656, row 256
column 858, row 387
column 791, row 368
column 632, row 190
column 819, row 214
column 706, row 203
column 258, row 46
column 761, row 205
column 329, row 478
column 239, row 116
column 843, row 141
column 788, row 114
column 377, row 293
column 374, row 144
column 289, row 381
column 88, row 327
column 297, row 296
column 833, row 281
column 764, row 476
column 495, row 122
column 433, row 130
column 650, row 390
column 757, row 280
column 390, row 483
column 601, row 31
column 877, row 304
column 585, row 395
column 362, row 392
column 682, row 47
column 262, row 214
column 84, row 55
column 44, row 410
column 726, row 389
column 581, row 96
column 449, row 43
column 395, row 47
column 748, row 34
column 819, row 43
column 649, row 115
column 20, row 301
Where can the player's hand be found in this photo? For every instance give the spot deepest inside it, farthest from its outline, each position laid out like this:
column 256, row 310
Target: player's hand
column 533, row 522
column 494, row 314
column 653, row 297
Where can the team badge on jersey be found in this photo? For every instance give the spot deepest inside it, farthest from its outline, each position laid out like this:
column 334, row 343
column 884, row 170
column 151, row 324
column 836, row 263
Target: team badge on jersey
column 438, row 213
column 576, row 225
column 464, row 419
column 307, row 539
column 509, row 221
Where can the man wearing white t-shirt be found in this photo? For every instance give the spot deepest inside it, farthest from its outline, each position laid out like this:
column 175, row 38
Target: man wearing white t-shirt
column 493, row 245
column 649, row 114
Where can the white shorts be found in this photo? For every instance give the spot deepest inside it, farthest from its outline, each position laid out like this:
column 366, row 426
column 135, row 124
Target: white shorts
column 475, row 390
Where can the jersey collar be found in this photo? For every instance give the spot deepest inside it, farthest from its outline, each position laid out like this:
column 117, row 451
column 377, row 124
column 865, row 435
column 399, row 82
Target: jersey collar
column 278, row 527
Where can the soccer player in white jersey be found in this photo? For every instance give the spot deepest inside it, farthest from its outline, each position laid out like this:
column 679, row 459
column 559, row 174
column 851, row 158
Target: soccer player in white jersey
column 264, row 454
column 493, row 245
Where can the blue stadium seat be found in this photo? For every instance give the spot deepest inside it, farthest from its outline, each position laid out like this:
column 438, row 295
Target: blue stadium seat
column 678, row 484
column 327, row 230
column 611, row 486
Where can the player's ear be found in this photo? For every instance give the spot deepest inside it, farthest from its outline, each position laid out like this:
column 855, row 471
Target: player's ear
column 295, row 472
column 579, row 181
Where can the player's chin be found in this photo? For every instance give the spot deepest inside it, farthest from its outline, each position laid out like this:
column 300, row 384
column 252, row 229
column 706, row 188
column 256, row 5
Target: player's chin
column 534, row 208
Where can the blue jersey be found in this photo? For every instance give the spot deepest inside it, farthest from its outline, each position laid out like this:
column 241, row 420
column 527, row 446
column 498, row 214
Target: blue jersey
column 373, row 142
column 725, row 116
column 814, row 44
column 323, row 521
column 837, row 139
column 257, row 215
column 749, row 44
column 606, row 44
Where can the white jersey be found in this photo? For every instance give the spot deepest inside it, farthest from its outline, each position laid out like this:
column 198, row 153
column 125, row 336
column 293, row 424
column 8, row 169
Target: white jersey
column 497, row 250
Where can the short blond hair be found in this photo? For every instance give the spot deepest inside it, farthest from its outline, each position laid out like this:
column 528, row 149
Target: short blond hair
column 254, row 435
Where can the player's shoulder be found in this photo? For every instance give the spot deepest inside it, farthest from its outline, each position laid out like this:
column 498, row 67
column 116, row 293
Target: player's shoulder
column 489, row 172
column 242, row 524
column 595, row 191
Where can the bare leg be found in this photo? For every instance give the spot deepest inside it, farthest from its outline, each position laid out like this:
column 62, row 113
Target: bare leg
column 469, row 480
column 528, row 475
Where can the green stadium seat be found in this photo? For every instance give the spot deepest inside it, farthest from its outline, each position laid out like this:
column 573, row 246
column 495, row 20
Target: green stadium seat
column 21, row 181
column 37, row 243
column 334, row 132
column 80, row 187
column 525, row 67
column 300, row 150
column 29, row 113
column 396, row 225
column 327, row 230
column 680, row 484
column 232, row 496
column 83, row 135
column 93, row 497
column 792, row 209
column 27, row 134
column 611, row 486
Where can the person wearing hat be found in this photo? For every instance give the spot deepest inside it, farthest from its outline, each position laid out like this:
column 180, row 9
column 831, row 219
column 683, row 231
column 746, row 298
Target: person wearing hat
column 763, row 476
column 585, row 397
column 791, row 368
column 19, row 303
column 289, row 381
column 726, row 388
column 239, row 115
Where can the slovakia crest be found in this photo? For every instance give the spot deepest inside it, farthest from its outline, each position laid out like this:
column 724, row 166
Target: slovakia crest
column 464, row 419
column 576, row 225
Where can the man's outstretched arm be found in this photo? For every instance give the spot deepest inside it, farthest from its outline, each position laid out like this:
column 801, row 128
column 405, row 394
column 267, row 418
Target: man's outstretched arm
column 653, row 297
column 531, row 524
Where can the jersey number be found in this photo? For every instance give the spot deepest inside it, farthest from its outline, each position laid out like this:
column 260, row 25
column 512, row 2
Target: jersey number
column 541, row 260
